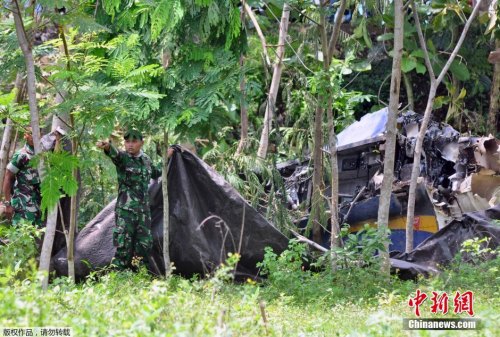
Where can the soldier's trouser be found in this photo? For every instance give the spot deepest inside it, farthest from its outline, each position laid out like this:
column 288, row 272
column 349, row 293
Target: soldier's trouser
column 25, row 209
column 34, row 218
column 132, row 237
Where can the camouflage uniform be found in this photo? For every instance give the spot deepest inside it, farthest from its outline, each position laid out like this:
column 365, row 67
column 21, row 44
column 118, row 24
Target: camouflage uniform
column 132, row 234
column 26, row 198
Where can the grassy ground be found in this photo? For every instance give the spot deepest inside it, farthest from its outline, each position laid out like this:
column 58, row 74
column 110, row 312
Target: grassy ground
column 351, row 302
column 128, row 304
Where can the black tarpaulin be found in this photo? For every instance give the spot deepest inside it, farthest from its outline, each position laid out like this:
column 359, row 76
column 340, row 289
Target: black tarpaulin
column 207, row 216
column 438, row 251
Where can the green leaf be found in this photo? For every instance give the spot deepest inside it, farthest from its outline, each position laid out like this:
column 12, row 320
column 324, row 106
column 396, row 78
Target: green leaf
column 58, row 176
column 408, row 64
column 364, row 65
column 7, row 99
column 462, row 94
column 421, row 68
column 385, row 37
column 460, row 71
column 418, row 53
column 439, row 101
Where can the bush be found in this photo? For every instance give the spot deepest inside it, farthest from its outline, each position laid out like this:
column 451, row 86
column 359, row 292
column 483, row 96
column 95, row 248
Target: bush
column 18, row 254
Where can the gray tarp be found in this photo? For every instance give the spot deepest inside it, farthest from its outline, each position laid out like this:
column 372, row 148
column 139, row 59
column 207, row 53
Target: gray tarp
column 197, row 194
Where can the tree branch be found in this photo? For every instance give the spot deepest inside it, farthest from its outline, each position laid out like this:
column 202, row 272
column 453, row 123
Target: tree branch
column 336, row 28
column 421, row 39
column 262, row 38
column 460, row 41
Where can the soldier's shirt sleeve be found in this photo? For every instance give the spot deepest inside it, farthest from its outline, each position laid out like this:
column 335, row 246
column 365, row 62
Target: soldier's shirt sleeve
column 115, row 155
column 17, row 163
column 48, row 142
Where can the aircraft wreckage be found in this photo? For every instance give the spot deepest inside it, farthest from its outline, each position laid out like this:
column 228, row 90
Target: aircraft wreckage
column 458, row 175
column 458, row 198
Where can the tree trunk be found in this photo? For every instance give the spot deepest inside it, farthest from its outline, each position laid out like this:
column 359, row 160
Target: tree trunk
column 13, row 144
column 317, row 181
column 391, row 132
column 243, row 106
column 336, row 29
column 243, row 110
column 4, row 150
column 166, row 210
column 317, row 186
column 334, row 204
column 261, row 36
column 73, row 213
column 275, row 82
column 494, row 96
column 64, row 123
column 25, row 45
column 410, row 217
column 415, row 173
column 7, row 132
column 74, row 152
column 329, row 49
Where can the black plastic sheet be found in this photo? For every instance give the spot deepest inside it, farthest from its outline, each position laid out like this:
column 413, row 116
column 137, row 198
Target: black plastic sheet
column 208, row 219
column 439, row 250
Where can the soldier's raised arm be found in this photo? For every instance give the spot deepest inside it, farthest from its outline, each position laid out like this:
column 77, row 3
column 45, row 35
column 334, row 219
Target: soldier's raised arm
column 111, row 151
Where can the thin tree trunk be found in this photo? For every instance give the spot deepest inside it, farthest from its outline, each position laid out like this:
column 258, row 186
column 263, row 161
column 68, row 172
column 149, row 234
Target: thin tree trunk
column 25, row 45
column 494, row 96
column 13, row 144
column 328, row 48
column 275, row 82
column 336, row 29
column 317, row 196
column 166, row 210
column 243, row 106
column 7, row 133
column 334, row 202
column 74, row 152
column 4, row 150
column 73, row 213
column 261, row 36
column 64, row 123
column 391, row 132
column 427, row 115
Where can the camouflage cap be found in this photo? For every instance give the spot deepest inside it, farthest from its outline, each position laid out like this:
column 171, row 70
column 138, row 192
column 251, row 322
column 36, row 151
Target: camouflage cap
column 132, row 134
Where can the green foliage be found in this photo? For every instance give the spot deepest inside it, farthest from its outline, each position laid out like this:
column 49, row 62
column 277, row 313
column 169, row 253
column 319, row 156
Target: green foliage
column 478, row 250
column 361, row 248
column 10, row 109
column 17, row 251
column 286, row 271
column 166, row 16
column 58, row 179
column 474, row 276
column 11, row 60
column 95, row 306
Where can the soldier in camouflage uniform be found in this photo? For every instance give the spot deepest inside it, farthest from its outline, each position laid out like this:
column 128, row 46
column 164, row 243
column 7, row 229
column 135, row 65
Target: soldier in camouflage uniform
column 132, row 233
column 24, row 203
